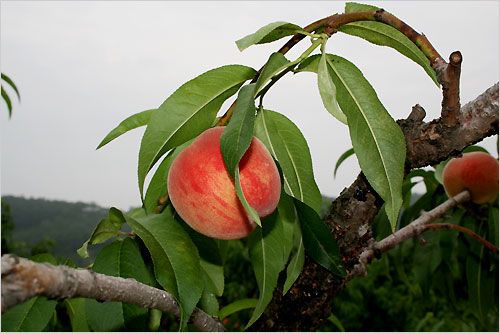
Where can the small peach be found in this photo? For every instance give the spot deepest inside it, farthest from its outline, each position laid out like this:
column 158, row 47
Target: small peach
column 475, row 171
column 203, row 192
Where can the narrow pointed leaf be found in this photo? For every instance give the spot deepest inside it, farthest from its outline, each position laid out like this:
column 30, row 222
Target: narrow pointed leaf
column 175, row 258
column 341, row 159
column 385, row 35
column 239, row 192
column 318, row 240
column 241, row 304
column 288, row 146
column 77, row 314
column 6, row 98
column 130, row 123
column 327, row 90
column 266, row 250
column 296, row 263
column 377, row 140
column 269, row 33
column 189, row 111
column 11, row 83
column 237, row 136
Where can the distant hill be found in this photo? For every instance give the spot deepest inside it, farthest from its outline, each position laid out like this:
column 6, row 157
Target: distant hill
column 68, row 224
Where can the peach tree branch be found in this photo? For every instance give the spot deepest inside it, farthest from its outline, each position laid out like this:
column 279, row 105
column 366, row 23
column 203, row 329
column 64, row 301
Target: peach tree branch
column 414, row 229
column 23, row 279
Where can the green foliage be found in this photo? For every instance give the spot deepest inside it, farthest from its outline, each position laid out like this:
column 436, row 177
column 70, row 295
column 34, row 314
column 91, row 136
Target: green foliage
column 5, row 95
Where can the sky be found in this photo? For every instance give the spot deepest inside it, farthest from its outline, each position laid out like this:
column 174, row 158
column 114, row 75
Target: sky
column 83, row 67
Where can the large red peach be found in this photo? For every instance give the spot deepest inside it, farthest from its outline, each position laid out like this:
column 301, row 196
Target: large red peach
column 203, row 192
column 475, row 171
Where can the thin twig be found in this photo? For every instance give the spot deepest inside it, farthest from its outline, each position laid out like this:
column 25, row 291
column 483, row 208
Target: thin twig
column 467, row 231
column 414, row 229
column 23, row 279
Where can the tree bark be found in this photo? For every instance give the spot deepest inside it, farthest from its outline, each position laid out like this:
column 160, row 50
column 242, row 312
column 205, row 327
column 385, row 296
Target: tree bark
column 350, row 216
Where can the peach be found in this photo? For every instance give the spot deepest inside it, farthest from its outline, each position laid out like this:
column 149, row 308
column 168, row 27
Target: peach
column 475, row 171
column 203, row 192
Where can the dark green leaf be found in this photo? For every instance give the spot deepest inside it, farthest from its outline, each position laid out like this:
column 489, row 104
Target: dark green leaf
column 9, row 81
column 6, row 98
column 426, row 259
column 493, row 224
column 328, row 91
column 318, row 240
column 296, row 263
column 189, row 111
column 479, row 284
column 268, row 33
column 385, row 35
column 288, row 146
column 266, row 255
column 119, row 259
column 341, row 159
column 175, row 258
column 130, row 123
column 30, row 316
column 237, row 136
column 241, row 304
column 376, row 138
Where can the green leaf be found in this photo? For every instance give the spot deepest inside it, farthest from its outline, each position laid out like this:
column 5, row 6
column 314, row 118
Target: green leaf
column 493, row 224
column 6, row 98
column 209, row 303
column 210, row 260
column 327, row 90
column 237, row 136
column 341, row 159
column 377, row 140
column 288, row 146
column 11, row 83
column 189, row 111
column 334, row 320
column 239, row 192
column 158, row 185
column 121, row 258
column 269, row 33
column 30, row 316
column 289, row 222
column 77, row 314
column 426, row 260
column 241, row 304
column 296, row 263
column 479, row 285
column 318, row 240
column 266, row 255
column 276, row 63
column 385, row 35
column 130, row 123
column 106, row 229
column 175, row 258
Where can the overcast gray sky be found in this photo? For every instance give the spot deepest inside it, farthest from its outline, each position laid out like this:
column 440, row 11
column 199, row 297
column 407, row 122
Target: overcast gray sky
column 82, row 67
